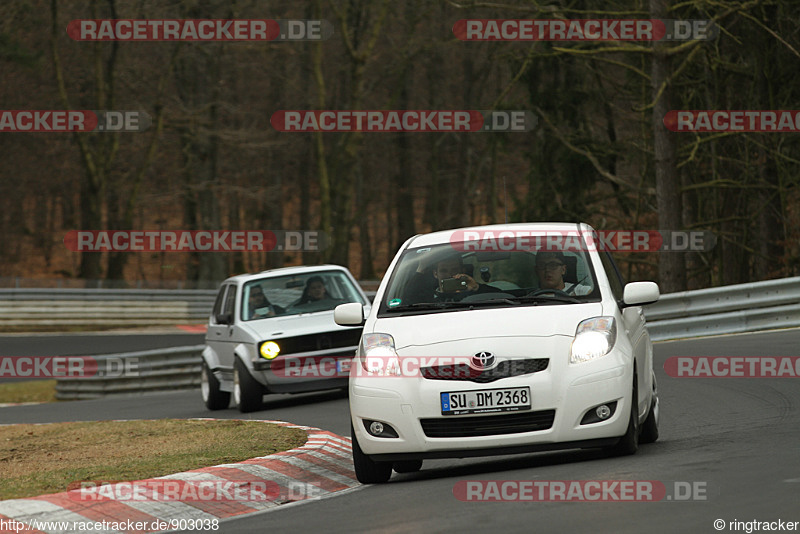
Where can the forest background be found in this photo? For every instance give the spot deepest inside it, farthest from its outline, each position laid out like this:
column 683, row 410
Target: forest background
column 211, row 160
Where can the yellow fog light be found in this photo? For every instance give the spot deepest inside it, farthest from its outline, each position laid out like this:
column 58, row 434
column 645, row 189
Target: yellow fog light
column 270, row 350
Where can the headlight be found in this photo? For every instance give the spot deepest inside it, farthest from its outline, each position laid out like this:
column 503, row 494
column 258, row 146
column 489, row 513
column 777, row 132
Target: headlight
column 378, row 355
column 593, row 338
column 269, row 350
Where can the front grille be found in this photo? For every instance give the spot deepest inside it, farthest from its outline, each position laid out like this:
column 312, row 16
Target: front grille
column 487, row 425
column 505, row 369
column 321, row 341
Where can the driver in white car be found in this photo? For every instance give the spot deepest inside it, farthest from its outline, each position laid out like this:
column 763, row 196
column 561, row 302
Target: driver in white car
column 259, row 307
column 551, row 266
column 453, row 269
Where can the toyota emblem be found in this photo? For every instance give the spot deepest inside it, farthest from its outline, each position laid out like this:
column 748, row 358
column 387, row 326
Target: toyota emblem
column 483, row 360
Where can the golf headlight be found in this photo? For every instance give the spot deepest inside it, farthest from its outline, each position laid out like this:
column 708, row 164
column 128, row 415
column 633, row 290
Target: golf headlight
column 269, row 350
column 593, row 338
column 378, row 356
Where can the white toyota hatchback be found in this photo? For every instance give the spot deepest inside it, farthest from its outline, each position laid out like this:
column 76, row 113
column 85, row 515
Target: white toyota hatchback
column 498, row 340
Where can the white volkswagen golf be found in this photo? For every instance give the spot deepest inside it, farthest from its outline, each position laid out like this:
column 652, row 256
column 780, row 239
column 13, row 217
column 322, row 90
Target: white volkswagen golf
column 497, row 340
column 273, row 332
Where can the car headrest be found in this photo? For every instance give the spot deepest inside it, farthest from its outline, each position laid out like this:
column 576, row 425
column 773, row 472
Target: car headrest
column 571, row 276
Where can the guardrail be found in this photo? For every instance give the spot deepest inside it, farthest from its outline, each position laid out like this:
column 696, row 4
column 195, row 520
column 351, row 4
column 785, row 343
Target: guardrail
column 137, row 372
column 51, row 308
column 726, row 310
column 47, row 309
column 722, row 310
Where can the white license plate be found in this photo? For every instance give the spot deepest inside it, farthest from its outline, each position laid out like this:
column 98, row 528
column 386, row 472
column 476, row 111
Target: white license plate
column 486, row 401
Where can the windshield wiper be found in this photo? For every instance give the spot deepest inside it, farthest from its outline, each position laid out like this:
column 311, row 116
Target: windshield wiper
column 424, row 306
column 444, row 305
column 492, row 302
column 547, row 298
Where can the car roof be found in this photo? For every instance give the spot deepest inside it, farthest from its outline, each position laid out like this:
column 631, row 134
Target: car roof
column 283, row 271
column 446, row 236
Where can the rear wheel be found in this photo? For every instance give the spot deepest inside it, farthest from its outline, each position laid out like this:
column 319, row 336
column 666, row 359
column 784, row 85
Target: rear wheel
column 629, row 443
column 407, row 466
column 650, row 425
column 367, row 470
column 213, row 397
column 248, row 394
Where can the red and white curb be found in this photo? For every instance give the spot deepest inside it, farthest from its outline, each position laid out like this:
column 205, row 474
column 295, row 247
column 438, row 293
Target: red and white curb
column 323, row 465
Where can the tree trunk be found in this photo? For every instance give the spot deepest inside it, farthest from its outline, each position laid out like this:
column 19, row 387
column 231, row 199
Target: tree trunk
column 671, row 265
column 197, row 77
column 403, row 190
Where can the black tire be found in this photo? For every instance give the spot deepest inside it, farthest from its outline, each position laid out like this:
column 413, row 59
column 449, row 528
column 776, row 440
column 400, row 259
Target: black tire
column 367, row 470
column 213, row 397
column 247, row 393
column 650, row 426
column 407, row 466
column 629, row 443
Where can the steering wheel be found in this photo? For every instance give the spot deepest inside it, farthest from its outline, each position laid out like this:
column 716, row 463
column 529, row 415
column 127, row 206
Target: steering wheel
column 556, row 292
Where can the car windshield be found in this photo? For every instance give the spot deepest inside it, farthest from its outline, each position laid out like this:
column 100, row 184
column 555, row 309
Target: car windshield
column 442, row 278
column 295, row 294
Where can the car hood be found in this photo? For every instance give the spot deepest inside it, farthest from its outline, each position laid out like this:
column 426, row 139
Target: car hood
column 523, row 321
column 293, row 325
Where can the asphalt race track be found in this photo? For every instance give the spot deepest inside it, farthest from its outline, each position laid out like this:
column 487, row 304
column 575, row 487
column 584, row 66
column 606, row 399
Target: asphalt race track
column 736, row 439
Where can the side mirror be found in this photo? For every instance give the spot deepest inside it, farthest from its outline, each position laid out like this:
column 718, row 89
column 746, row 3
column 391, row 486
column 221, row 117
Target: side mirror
column 640, row 293
column 350, row 314
column 223, row 318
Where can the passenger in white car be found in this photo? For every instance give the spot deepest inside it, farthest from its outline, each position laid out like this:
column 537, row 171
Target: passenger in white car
column 315, row 290
column 551, row 267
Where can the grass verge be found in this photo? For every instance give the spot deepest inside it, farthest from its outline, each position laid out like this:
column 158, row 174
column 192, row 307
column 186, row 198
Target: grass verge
column 28, row 391
column 41, row 459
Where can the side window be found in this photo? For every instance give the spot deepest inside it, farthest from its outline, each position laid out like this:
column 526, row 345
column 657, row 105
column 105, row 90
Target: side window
column 612, row 273
column 230, row 301
column 218, row 303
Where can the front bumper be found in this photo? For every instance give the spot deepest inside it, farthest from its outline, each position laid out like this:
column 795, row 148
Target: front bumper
column 570, row 391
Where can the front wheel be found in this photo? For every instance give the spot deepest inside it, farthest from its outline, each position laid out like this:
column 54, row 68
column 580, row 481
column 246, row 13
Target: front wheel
column 213, row 397
column 650, row 426
column 629, row 443
column 248, row 394
column 367, row 470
